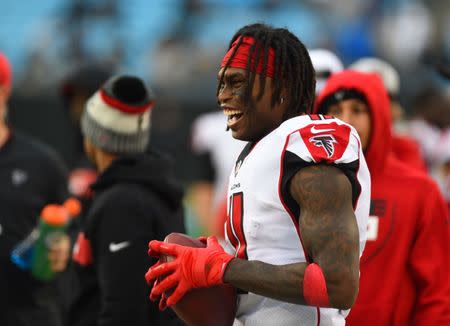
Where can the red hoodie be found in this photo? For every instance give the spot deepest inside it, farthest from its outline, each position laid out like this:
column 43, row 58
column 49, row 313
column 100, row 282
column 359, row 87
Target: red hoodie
column 407, row 150
column 404, row 268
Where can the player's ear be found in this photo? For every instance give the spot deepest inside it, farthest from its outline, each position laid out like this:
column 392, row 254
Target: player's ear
column 283, row 101
column 283, row 97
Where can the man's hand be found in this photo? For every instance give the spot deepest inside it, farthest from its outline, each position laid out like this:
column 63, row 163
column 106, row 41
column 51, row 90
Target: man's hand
column 190, row 268
column 59, row 253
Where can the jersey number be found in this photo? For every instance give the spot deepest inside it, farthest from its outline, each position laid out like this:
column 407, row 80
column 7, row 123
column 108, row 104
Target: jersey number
column 235, row 225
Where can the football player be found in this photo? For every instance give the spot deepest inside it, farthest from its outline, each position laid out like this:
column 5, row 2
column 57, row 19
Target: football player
column 298, row 195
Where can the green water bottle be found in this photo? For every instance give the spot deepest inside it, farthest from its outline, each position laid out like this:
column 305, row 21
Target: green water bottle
column 52, row 225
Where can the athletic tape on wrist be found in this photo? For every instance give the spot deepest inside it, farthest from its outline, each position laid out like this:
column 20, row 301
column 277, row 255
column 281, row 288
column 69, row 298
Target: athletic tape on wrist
column 315, row 287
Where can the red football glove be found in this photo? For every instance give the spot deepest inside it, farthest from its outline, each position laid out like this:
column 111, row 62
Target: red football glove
column 163, row 299
column 191, row 268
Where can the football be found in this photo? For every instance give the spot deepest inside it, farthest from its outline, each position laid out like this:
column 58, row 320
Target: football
column 206, row 306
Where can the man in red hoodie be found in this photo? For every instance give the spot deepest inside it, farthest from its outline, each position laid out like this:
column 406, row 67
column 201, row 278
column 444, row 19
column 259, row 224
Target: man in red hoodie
column 404, row 268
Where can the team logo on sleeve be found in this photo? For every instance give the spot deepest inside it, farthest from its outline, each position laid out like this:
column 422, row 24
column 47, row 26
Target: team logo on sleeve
column 326, row 142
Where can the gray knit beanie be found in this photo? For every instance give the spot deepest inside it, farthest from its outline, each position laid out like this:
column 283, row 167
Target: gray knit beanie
column 116, row 118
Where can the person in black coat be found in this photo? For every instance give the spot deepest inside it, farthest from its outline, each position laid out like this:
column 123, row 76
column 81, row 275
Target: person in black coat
column 32, row 175
column 135, row 198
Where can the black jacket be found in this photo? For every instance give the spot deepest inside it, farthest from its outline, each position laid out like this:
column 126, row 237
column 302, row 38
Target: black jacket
column 31, row 176
column 135, row 200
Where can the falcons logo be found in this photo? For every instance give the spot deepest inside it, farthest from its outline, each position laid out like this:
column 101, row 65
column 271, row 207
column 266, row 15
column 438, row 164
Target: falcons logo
column 325, row 141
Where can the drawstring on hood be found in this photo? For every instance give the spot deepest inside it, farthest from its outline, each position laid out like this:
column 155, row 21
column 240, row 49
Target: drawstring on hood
column 371, row 86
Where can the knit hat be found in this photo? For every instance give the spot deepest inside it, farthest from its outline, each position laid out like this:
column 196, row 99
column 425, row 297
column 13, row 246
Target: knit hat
column 5, row 71
column 116, row 118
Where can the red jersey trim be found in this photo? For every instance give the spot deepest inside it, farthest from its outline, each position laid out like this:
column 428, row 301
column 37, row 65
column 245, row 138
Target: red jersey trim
column 235, row 229
column 357, row 172
column 229, row 228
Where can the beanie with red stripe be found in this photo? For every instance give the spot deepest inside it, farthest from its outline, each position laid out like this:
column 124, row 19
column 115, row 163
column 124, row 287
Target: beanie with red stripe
column 116, row 118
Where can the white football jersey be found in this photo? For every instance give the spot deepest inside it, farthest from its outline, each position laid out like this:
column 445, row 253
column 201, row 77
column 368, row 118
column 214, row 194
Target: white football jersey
column 262, row 222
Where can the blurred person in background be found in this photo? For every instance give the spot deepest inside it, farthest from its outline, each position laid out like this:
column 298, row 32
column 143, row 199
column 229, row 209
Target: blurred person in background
column 430, row 126
column 76, row 89
column 404, row 267
column 404, row 147
column 32, row 175
column 325, row 64
column 135, row 198
column 431, row 123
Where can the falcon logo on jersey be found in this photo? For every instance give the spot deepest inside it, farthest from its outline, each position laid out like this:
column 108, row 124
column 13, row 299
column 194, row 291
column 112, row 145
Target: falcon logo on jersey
column 325, row 141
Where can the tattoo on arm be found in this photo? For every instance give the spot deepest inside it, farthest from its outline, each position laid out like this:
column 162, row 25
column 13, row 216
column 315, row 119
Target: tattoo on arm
column 328, row 227
column 330, row 236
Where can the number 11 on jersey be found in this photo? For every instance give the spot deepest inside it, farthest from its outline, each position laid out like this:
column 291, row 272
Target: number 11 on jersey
column 235, row 225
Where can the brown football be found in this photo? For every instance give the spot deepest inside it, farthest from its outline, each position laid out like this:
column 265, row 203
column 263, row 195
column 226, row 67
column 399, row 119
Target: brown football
column 214, row 306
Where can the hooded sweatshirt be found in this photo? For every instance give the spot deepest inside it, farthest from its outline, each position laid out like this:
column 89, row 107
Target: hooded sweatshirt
column 135, row 200
column 404, row 268
column 407, row 150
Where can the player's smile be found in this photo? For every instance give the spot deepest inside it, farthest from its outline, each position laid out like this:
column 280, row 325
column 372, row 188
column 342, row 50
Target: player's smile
column 234, row 116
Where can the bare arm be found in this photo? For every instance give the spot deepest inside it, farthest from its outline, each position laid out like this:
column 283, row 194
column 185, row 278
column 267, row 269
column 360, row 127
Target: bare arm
column 330, row 237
